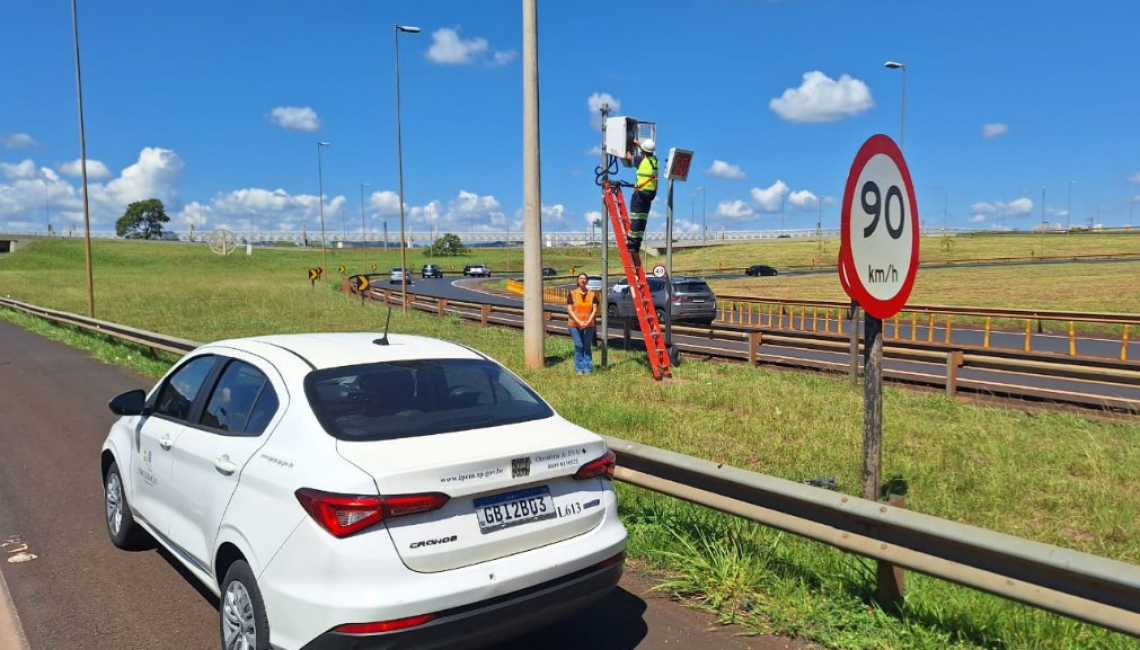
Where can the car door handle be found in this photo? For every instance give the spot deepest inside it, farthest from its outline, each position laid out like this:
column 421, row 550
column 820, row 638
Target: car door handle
column 166, row 443
column 224, row 465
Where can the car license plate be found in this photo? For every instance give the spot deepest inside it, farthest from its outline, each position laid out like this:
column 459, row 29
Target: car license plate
column 514, row 508
column 698, row 299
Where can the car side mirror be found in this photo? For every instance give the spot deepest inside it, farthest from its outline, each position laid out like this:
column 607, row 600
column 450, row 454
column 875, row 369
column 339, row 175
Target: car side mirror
column 132, row 402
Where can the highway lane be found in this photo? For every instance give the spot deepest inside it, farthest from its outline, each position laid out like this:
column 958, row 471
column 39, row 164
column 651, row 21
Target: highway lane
column 467, row 289
column 81, row 592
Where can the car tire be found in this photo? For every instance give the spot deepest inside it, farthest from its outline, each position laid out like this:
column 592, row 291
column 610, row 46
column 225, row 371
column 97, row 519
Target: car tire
column 124, row 531
column 241, row 611
column 612, row 310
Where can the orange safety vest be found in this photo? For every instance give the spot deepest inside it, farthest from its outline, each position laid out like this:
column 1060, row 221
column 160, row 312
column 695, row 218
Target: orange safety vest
column 583, row 305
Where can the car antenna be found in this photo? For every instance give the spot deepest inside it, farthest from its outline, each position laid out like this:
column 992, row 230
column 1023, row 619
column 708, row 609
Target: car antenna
column 383, row 340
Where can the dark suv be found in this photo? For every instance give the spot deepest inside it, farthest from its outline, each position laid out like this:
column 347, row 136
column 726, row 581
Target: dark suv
column 431, row 271
column 693, row 300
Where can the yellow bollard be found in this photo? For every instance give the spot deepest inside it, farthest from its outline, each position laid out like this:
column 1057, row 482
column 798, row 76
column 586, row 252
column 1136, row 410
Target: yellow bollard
column 896, row 327
column 948, row 318
column 930, row 330
column 914, row 327
column 814, row 320
column 1072, row 339
column 986, row 340
column 1124, row 345
column 1028, row 334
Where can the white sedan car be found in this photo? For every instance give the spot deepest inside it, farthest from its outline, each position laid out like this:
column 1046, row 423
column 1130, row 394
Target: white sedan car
column 361, row 491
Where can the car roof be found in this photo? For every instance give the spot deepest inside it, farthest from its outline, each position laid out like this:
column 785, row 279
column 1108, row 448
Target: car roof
column 335, row 349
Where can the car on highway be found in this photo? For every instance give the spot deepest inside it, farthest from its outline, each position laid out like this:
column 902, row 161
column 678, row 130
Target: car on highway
column 549, row 271
column 477, row 270
column 397, row 275
column 594, row 283
column 361, row 490
column 431, row 271
column 692, row 301
column 762, row 270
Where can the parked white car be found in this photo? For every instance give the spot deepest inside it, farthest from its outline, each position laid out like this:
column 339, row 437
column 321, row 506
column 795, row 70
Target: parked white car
column 364, row 491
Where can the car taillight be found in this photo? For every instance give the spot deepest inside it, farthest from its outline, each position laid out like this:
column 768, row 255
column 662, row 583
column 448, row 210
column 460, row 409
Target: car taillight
column 384, row 626
column 345, row 514
column 601, row 468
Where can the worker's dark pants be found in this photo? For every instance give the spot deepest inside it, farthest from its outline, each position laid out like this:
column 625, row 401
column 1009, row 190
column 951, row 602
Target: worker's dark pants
column 638, row 218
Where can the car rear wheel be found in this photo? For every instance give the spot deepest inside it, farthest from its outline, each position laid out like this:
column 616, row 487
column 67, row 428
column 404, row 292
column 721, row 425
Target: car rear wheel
column 241, row 611
column 612, row 310
column 121, row 526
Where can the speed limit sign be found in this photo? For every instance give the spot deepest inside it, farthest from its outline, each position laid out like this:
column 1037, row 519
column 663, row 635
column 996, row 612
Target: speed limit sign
column 879, row 249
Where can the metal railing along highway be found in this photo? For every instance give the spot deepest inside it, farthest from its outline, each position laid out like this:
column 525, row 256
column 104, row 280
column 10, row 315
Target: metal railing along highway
column 1098, row 590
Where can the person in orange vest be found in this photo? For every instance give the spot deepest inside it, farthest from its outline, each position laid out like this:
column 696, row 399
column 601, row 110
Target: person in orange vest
column 644, row 191
column 582, row 305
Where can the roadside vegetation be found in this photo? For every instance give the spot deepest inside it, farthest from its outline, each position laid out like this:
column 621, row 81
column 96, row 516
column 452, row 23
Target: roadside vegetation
column 1057, row 478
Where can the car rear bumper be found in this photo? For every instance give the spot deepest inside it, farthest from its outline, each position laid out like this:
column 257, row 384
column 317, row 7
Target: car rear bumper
column 493, row 621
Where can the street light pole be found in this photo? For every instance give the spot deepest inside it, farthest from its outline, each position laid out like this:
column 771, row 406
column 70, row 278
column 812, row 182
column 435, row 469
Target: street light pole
column 894, row 65
column 400, row 166
column 363, row 231
column 704, row 234
column 1069, row 209
column 321, row 207
column 83, row 166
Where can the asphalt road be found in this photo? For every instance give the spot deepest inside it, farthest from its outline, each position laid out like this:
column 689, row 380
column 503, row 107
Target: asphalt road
column 81, row 592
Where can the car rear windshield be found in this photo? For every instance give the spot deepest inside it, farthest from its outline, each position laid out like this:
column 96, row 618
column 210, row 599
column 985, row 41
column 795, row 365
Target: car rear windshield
column 691, row 286
column 405, row 399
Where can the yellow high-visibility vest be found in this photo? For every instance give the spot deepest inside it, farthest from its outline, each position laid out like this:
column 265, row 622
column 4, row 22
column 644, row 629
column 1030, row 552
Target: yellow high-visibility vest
column 647, row 174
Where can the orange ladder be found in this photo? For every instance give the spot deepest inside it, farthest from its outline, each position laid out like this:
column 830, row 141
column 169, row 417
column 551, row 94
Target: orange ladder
column 638, row 286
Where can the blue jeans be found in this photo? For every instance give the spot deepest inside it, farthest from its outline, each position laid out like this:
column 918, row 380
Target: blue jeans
column 583, row 348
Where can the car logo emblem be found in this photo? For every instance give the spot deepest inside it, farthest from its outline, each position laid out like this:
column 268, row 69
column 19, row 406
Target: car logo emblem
column 520, row 467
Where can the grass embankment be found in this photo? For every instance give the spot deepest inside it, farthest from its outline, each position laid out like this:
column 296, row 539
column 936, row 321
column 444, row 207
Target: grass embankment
column 1059, row 479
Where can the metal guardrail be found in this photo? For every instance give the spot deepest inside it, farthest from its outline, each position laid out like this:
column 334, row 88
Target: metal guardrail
column 1097, row 590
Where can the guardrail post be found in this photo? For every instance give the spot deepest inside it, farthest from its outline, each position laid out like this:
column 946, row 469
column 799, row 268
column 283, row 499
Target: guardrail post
column 441, row 307
column 754, row 340
column 986, row 340
column 890, row 579
column 914, row 327
column 954, row 360
column 484, row 313
column 949, row 319
column 1028, row 334
column 1072, row 339
column 387, row 294
column 930, row 329
column 625, row 333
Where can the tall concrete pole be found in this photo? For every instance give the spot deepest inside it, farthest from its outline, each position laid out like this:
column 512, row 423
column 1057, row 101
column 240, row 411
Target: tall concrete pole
column 83, row 166
column 534, row 334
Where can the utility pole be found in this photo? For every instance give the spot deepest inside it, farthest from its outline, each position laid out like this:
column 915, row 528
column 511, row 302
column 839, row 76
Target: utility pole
column 534, row 329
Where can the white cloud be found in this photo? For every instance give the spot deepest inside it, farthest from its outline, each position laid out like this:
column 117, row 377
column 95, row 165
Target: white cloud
column 554, row 216
column 1134, row 179
column 18, row 141
column 592, row 216
column 978, row 218
column 1056, row 212
column 1016, row 208
column 991, row 131
column 295, row 118
column 505, row 57
column 448, row 48
column 95, row 170
column 686, row 227
column 386, row 202
column 803, row 200
column 822, row 99
column 721, row 169
column 156, row 174
column 769, row 199
column 596, row 151
column 594, row 104
column 734, row 210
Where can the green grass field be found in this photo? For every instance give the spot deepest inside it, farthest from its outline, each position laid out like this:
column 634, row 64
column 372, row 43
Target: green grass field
column 1056, row 478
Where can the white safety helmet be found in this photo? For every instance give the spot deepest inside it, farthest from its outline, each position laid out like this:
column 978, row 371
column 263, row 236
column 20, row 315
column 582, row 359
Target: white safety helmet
column 648, row 145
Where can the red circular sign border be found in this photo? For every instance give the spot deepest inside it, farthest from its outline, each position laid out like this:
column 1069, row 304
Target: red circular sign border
column 875, row 145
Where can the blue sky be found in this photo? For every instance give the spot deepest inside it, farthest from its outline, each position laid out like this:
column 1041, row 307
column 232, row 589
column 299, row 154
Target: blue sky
column 216, row 108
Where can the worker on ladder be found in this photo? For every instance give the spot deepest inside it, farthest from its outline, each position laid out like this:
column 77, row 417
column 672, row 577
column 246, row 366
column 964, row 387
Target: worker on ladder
column 644, row 191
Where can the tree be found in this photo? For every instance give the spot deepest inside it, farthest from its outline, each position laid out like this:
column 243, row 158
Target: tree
column 142, row 220
column 448, row 246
